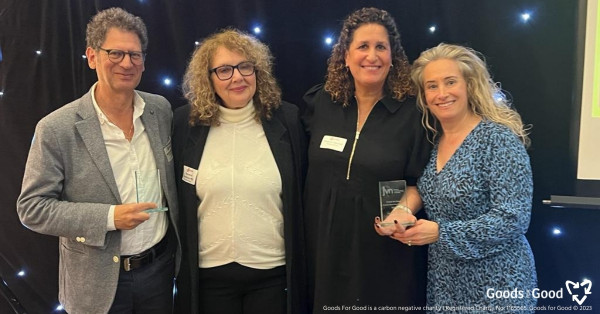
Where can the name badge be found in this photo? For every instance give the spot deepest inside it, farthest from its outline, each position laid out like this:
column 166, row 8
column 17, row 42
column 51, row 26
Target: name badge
column 189, row 175
column 333, row 143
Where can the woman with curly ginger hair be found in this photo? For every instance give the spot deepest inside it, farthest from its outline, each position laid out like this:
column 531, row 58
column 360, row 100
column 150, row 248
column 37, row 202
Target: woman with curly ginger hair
column 239, row 157
column 364, row 129
column 200, row 92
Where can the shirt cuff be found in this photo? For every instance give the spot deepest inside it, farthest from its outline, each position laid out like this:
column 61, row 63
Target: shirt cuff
column 110, row 220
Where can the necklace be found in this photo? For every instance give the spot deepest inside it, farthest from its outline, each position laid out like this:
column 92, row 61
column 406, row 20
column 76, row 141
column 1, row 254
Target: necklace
column 128, row 135
column 359, row 126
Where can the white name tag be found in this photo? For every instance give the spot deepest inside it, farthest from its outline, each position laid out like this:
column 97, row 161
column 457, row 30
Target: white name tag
column 189, row 175
column 333, row 143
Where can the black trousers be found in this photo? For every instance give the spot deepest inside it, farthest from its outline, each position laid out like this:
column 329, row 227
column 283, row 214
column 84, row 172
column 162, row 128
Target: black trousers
column 237, row 289
column 148, row 289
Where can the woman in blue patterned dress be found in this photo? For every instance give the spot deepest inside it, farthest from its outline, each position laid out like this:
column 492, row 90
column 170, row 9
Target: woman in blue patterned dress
column 476, row 189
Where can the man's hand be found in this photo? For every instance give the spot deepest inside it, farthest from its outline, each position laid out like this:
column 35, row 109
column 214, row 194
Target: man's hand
column 129, row 216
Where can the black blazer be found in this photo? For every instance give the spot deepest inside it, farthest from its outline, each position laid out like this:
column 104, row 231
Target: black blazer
column 287, row 141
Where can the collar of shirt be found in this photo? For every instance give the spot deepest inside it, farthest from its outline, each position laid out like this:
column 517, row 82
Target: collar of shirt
column 138, row 106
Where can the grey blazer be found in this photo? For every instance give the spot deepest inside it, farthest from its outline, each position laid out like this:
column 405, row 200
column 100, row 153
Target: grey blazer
column 67, row 191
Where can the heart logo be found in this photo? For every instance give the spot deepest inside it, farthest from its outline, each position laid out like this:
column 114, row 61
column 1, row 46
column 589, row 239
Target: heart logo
column 585, row 286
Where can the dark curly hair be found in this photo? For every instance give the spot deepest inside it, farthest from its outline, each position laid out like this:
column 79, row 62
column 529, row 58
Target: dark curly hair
column 339, row 81
column 118, row 18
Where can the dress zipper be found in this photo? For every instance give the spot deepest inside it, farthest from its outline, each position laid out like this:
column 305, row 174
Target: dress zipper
column 358, row 129
column 352, row 153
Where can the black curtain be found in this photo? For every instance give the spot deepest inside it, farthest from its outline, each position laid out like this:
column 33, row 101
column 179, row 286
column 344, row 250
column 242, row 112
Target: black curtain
column 41, row 68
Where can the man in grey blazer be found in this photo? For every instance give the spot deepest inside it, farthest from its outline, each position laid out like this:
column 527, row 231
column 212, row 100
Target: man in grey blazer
column 100, row 177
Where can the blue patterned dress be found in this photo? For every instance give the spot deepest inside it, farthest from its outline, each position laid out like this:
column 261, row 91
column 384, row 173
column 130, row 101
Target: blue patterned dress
column 481, row 200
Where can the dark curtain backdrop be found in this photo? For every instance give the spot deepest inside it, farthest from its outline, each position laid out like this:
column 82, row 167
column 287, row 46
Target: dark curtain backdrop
column 537, row 62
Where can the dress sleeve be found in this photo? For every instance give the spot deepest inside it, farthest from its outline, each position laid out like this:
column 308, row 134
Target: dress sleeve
column 506, row 217
column 311, row 97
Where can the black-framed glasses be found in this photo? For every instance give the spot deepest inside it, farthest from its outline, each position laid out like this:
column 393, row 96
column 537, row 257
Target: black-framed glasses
column 116, row 55
column 225, row 72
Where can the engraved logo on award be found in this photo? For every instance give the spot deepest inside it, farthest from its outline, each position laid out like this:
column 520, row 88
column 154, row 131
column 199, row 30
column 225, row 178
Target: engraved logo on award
column 391, row 195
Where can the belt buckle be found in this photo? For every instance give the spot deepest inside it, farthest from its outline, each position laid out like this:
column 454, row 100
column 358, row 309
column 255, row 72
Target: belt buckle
column 127, row 263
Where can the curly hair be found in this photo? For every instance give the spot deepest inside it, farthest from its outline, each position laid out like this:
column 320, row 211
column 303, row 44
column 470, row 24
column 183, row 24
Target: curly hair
column 481, row 89
column 199, row 90
column 339, row 81
column 117, row 18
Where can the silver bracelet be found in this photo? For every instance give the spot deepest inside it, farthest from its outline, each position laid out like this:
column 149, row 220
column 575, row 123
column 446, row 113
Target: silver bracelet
column 405, row 208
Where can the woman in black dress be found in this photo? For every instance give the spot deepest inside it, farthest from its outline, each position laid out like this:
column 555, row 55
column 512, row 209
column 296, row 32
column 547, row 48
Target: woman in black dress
column 364, row 128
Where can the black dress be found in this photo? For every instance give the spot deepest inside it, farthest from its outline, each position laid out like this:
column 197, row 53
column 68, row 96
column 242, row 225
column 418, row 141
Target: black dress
column 350, row 266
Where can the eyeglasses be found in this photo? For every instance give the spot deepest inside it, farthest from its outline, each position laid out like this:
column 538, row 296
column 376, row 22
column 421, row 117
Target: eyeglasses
column 116, row 55
column 225, row 72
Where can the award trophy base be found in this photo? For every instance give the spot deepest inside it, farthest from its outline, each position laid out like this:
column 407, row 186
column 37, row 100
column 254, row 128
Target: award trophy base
column 156, row 210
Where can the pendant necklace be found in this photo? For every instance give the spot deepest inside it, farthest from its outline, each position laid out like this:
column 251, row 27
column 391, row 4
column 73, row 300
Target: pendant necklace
column 128, row 135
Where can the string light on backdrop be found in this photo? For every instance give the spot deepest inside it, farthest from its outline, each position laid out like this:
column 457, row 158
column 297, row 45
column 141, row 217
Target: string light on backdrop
column 432, row 29
column 525, row 16
column 38, row 52
column 257, row 30
column 21, row 273
column 196, row 43
column 328, row 40
column 167, row 81
column 83, row 57
column 556, row 231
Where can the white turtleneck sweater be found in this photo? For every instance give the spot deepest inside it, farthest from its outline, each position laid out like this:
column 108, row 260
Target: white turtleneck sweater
column 240, row 214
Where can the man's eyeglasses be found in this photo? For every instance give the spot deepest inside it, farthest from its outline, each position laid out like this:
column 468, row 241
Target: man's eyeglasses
column 116, row 55
column 225, row 72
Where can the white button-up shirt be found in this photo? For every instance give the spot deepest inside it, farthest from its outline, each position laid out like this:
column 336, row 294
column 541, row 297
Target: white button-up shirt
column 133, row 165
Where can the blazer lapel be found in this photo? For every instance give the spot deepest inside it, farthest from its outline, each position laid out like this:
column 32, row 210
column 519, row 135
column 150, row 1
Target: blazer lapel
column 192, row 152
column 91, row 134
column 194, row 147
column 275, row 131
column 152, row 128
column 150, row 121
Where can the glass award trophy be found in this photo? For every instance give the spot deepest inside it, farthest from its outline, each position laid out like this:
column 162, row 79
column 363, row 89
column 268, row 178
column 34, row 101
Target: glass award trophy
column 149, row 189
column 391, row 194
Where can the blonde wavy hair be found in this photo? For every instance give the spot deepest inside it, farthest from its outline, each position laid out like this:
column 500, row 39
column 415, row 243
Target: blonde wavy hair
column 481, row 90
column 339, row 81
column 199, row 90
